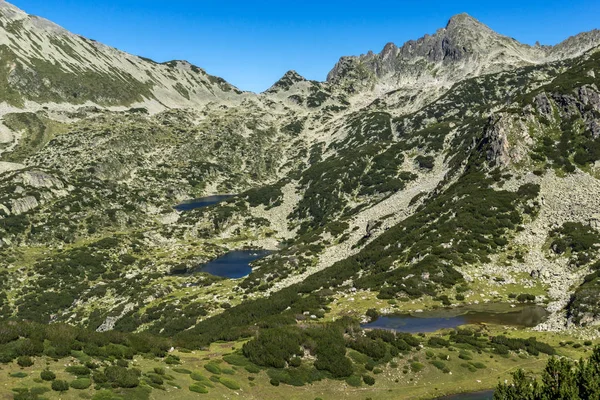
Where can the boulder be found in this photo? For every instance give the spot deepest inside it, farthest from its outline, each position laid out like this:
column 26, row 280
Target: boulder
column 24, row 204
column 543, row 105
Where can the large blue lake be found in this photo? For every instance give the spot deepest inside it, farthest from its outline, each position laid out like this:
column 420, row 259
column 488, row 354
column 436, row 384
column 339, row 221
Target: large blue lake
column 202, row 202
column 234, row 265
column 431, row 321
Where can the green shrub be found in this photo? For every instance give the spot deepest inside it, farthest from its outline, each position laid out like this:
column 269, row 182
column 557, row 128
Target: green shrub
column 172, row 360
column 156, row 379
column 197, row 376
column 182, row 371
column 38, row 390
column 60, row 386
column 92, row 365
column 213, row 368
column 235, row 359
column 100, row 377
column 47, row 375
column 81, row 383
column 425, row 162
column 372, row 314
column 562, row 378
column 295, row 362
column 24, row 361
column 273, row 347
column 18, row 375
column 468, row 366
column 354, row 380
column 525, row 298
column 416, row 367
column 122, row 377
column 253, row 369
column 229, row 383
column 274, row 382
column 198, row 388
column 369, row 380
column 441, row 366
column 29, row 394
column 437, row 342
column 106, row 395
column 78, row 370
column 122, row 363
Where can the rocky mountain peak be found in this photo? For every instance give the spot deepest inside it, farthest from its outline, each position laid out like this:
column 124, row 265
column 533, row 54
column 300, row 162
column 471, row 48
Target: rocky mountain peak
column 13, row 15
column 294, row 76
column 289, row 79
column 52, row 65
column 465, row 21
column 464, row 48
column 389, row 49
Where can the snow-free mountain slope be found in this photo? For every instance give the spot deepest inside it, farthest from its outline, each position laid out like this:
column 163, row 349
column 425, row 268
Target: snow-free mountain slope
column 43, row 63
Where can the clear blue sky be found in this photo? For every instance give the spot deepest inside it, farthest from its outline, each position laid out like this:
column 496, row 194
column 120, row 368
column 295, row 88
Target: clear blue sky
column 253, row 43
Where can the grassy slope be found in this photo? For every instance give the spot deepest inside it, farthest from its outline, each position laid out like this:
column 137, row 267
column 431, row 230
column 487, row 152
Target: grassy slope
column 392, row 383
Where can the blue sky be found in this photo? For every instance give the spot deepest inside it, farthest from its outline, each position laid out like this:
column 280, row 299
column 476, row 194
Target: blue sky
column 253, row 43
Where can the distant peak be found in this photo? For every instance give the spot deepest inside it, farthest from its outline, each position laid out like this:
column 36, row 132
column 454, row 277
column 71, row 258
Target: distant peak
column 294, row 76
column 460, row 18
column 464, row 20
column 286, row 82
column 388, row 48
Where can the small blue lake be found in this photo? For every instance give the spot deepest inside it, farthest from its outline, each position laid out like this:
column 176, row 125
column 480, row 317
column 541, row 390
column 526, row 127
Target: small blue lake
column 234, row 265
column 485, row 395
column 431, row 321
column 202, row 202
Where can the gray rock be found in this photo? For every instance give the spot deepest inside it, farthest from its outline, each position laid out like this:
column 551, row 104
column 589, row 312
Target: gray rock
column 595, row 129
column 589, row 97
column 22, row 205
column 39, row 179
column 543, row 105
column 370, row 226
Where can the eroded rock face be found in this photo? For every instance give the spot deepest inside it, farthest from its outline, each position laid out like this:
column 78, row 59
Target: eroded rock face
column 509, row 139
column 589, row 96
column 39, row 179
column 22, row 205
column 9, row 167
column 543, row 105
column 567, row 104
column 595, row 129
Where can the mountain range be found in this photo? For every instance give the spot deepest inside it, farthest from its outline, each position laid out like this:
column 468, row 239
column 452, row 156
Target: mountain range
column 458, row 170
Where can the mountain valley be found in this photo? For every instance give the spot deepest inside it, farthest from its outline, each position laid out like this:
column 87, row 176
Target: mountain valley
column 458, row 171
